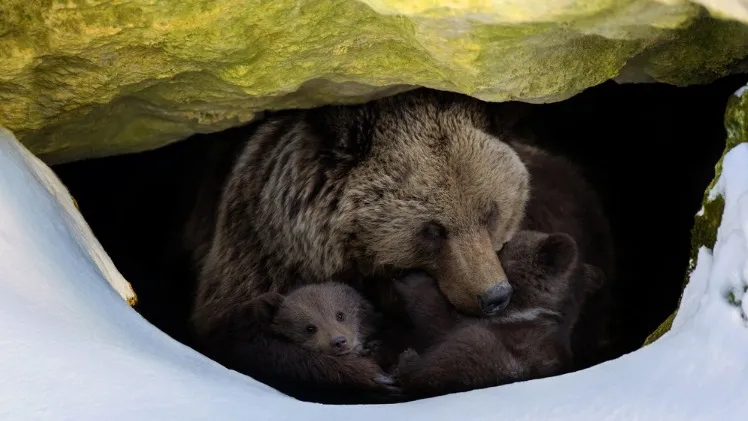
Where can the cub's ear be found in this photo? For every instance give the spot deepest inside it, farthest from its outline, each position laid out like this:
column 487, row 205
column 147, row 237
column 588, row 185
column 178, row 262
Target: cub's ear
column 557, row 254
column 263, row 308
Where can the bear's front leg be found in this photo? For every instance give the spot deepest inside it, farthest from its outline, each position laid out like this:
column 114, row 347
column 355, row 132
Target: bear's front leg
column 407, row 361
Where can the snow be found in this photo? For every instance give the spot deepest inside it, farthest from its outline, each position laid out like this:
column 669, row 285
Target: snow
column 73, row 349
column 739, row 93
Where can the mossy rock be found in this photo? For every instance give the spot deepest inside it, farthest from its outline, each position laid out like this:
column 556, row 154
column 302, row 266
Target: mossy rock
column 88, row 78
column 707, row 221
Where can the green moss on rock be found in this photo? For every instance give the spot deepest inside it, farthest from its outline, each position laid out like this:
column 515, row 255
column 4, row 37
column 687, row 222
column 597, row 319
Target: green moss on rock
column 705, row 50
column 704, row 231
column 661, row 330
column 90, row 78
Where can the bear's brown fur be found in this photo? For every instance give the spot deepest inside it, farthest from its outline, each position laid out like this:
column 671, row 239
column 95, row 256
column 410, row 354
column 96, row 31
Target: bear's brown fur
column 308, row 363
column 561, row 200
column 330, row 318
column 345, row 193
column 530, row 339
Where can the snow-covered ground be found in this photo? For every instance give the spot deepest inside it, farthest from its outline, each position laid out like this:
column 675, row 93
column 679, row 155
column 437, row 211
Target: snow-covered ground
column 72, row 349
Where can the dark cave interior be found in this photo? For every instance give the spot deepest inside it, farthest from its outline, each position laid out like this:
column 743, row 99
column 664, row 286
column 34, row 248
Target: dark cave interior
column 649, row 150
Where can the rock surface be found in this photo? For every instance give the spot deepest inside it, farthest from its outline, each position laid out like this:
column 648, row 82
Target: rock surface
column 93, row 78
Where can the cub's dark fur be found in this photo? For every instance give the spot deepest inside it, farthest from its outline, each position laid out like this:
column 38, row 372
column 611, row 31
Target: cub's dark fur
column 314, row 327
column 561, row 200
column 530, row 339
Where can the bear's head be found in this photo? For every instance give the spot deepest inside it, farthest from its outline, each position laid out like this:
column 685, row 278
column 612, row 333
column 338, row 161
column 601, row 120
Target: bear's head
column 320, row 317
column 546, row 273
column 438, row 193
column 541, row 267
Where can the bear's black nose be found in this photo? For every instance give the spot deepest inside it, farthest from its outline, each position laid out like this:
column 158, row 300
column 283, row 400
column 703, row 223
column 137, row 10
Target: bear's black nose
column 496, row 298
column 339, row 342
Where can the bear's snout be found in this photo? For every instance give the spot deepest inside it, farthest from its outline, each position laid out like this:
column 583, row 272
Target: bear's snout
column 496, row 298
column 471, row 276
column 339, row 345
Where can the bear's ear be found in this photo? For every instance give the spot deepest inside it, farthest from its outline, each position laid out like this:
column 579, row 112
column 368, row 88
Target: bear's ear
column 557, row 254
column 263, row 308
column 344, row 133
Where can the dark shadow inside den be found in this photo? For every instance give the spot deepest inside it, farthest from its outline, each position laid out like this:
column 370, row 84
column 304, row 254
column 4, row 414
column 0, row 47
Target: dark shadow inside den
column 648, row 149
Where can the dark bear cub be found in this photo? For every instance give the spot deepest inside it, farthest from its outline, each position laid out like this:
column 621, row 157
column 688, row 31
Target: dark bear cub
column 530, row 339
column 331, row 318
column 319, row 331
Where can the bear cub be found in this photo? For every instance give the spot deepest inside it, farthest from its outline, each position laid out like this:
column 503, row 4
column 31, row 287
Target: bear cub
column 328, row 327
column 530, row 339
column 330, row 318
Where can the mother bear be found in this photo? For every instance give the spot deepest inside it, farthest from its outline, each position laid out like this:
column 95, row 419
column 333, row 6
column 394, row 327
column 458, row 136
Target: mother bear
column 352, row 193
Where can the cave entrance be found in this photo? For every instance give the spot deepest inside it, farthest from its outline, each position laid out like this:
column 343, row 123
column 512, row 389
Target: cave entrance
column 649, row 150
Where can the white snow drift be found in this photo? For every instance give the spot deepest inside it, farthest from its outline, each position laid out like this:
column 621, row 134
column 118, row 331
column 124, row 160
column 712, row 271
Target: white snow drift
column 72, row 349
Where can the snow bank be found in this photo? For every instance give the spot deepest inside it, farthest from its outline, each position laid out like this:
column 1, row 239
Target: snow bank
column 72, row 349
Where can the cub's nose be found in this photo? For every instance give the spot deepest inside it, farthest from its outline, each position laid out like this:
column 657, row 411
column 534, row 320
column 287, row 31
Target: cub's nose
column 339, row 343
column 496, row 298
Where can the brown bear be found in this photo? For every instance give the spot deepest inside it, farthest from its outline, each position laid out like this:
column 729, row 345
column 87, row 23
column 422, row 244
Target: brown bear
column 352, row 193
column 561, row 200
column 530, row 339
column 330, row 319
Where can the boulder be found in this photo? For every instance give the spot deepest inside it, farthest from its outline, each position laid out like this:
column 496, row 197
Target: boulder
column 92, row 78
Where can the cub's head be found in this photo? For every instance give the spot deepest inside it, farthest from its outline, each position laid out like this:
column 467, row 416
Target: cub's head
column 546, row 275
column 437, row 193
column 323, row 317
column 542, row 268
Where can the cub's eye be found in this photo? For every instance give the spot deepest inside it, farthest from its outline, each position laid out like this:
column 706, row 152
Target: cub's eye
column 339, row 316
column 433, row 231
column 492, row 216
column 311, row 328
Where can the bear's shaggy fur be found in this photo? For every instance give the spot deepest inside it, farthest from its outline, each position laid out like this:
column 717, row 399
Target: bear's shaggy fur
column 345, row 193
column 561, row 200
column 530, row 339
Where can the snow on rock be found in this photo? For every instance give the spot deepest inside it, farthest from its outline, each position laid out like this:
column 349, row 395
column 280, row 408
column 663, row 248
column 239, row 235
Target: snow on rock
column 72, row 349
column 735, row 9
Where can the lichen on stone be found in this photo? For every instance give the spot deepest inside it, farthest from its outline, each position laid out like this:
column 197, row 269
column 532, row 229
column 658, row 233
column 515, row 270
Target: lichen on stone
column 704, row 231
column 91, row 78
column 661, row 330
column 701, row 52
